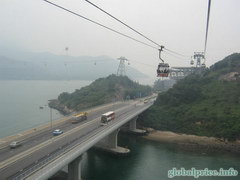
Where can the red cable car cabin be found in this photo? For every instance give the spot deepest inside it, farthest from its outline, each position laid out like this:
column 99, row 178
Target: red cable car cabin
column 163, row 70
column 108, row 116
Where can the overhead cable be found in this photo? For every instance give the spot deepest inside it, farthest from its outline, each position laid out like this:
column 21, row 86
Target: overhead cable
column 132, row 28
column 175, row 52
column 173, row 55
column 122, row 23
column 208, row 17
column 152, row 66
column 67, row 10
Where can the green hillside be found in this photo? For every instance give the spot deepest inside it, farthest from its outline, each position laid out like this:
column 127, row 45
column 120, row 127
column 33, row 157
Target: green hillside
column 206, row 103
column 104, row 90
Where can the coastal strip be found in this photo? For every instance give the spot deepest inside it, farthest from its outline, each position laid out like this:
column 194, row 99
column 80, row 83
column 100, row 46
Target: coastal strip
column 193, row 142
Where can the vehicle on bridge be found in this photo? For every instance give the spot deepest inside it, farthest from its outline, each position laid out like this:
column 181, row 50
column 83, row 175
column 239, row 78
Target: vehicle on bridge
column 57, row 132
column 109, row 116
column 79, row 117
column 15, row 144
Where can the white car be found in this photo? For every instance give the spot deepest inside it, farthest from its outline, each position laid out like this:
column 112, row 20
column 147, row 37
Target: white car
column 14, row 144
column 57, row 132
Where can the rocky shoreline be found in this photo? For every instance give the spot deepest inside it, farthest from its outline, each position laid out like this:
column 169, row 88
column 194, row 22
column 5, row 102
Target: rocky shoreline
column 193, row 142
column 55, row 104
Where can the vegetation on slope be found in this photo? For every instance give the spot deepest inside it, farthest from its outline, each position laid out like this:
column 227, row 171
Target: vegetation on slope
column 104, row 90
column 163, row 85
column 201, row 104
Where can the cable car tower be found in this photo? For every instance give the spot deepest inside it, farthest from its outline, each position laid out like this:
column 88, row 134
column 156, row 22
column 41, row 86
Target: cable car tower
column 199, row 56
column 121, row 67
column 163, row 68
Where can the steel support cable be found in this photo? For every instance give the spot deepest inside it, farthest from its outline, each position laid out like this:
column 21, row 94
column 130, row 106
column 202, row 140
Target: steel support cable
column 123, row 23
column 132, row 28
column 99, row 24
column 173, row 55
column 176, row 52
column 206, row 36
column 152, row 66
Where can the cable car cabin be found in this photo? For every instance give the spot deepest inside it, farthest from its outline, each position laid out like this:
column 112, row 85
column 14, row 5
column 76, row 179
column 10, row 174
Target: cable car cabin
column 203, row 65
column 163, row 70
column 191, row 62
column 108, row 116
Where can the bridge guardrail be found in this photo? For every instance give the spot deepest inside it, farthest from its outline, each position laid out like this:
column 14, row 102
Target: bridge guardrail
column 45, row 160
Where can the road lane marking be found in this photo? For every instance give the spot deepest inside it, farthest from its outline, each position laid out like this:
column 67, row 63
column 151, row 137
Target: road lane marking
column 28, row 152
column 23, row 154
column 28, row 133
column 87, row 140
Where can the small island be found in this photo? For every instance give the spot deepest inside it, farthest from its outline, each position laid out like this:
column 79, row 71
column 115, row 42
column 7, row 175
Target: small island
column 103, row 90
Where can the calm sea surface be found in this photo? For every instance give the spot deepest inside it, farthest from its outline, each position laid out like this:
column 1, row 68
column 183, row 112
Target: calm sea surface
column 20, row 103
column 151, row 161
column 19, row 110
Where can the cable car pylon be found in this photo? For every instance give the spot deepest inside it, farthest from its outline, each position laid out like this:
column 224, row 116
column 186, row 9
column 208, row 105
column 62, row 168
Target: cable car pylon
column 199, row 56
column 121, row 67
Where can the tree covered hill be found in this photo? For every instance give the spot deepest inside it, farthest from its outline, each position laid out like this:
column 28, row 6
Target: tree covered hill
column 206, row 103
column 102, row 90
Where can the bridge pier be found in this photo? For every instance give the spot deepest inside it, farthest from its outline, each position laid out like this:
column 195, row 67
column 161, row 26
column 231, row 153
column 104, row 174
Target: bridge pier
column 74, row 169
column 109, row 144
column 132, row 128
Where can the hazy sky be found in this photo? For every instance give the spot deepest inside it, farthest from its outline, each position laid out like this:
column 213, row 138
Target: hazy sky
column 179, row 25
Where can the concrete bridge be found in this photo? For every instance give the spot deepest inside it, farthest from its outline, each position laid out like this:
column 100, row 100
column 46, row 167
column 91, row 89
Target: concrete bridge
column 42, row 155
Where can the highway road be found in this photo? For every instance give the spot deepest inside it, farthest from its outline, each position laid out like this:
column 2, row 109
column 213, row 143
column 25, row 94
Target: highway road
column 42, row 145
column 46, row 134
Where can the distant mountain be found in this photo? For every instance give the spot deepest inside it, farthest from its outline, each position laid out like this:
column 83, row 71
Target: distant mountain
column 20, row 70
column 205, row 104
column 46, row 66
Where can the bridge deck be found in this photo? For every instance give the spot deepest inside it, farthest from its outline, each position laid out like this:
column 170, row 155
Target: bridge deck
column 44, row 148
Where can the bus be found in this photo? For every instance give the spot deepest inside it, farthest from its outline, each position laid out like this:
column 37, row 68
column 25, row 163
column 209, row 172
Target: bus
column 106, row 117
